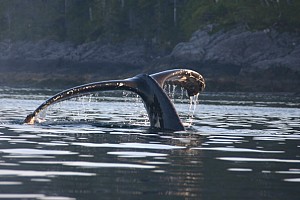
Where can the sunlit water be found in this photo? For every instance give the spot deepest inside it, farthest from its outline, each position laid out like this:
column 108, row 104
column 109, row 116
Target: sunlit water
column 239, row 146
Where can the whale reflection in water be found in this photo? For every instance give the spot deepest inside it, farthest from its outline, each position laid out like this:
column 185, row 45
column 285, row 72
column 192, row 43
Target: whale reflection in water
column 161, row 112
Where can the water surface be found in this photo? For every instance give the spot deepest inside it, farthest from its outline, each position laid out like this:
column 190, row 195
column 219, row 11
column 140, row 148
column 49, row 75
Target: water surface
column 239, row 146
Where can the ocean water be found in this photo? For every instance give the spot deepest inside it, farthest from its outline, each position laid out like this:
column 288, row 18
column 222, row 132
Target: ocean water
column 236, row 146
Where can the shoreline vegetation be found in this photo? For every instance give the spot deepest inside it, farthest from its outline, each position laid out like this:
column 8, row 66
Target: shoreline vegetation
column 251, row 46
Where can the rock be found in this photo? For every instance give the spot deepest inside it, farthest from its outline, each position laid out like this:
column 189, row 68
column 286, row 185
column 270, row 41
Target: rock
column 239, row 59
column 230, row 60
column 55, row 64
column 129, row 52
column 250, row 49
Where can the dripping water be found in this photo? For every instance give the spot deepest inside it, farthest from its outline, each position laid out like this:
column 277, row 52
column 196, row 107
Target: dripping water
column 83, row 108
column 42, row 115
column 170, row 90
column 194, row 101
column 180, row 95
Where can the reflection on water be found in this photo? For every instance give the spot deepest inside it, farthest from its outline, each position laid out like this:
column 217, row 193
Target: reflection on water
column 239, row 147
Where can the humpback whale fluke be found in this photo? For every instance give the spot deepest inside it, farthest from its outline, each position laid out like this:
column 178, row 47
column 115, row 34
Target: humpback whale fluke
column 161, row 112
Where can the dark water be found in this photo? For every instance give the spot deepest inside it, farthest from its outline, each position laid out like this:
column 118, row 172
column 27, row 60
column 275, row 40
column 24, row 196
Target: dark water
column 240, row 146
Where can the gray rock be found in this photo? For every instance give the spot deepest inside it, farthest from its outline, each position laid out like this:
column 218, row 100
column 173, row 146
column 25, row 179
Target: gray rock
column 230, row 60
column 251, row 49
column 128, row 52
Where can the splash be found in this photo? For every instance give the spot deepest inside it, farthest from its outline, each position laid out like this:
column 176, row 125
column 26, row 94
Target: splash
column 78, row 109
column 134, row 102
column 90, row 108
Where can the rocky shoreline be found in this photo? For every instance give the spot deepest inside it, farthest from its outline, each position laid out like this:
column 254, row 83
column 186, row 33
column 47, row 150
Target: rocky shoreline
column 230, row 60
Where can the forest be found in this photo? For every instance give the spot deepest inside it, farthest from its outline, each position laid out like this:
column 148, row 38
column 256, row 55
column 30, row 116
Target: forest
column 158, row 22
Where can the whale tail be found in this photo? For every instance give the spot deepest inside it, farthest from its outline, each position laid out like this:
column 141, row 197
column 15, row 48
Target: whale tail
column 161, row 112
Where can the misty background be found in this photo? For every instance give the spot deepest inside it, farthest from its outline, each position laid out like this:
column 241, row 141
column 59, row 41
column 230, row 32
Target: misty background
column 238, row 45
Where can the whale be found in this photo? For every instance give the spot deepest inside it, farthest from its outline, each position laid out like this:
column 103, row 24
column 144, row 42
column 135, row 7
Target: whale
column 160, row 109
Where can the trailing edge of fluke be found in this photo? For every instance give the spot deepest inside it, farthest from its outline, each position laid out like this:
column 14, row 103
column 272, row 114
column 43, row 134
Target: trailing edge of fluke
column 161, row 112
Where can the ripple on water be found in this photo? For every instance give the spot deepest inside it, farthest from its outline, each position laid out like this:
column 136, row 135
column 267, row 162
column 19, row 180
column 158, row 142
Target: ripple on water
column 33, row 173
column 244, row 159
column 290, row 171
column 130, row 145
column 235, row 149
column 36, row 152
column 85, row 164
column 34, row 196
column 53, row 143
column 10, row 183
column 134, row 154
column 40, row 180
column 295, row 180
column 239, row 169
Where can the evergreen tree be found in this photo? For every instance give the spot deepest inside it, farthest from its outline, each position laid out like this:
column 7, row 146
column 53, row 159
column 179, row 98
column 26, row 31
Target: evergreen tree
column 160, row 23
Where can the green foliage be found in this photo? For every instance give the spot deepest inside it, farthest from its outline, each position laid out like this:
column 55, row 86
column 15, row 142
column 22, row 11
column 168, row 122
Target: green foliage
column 255, row 14
column 160, row 23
